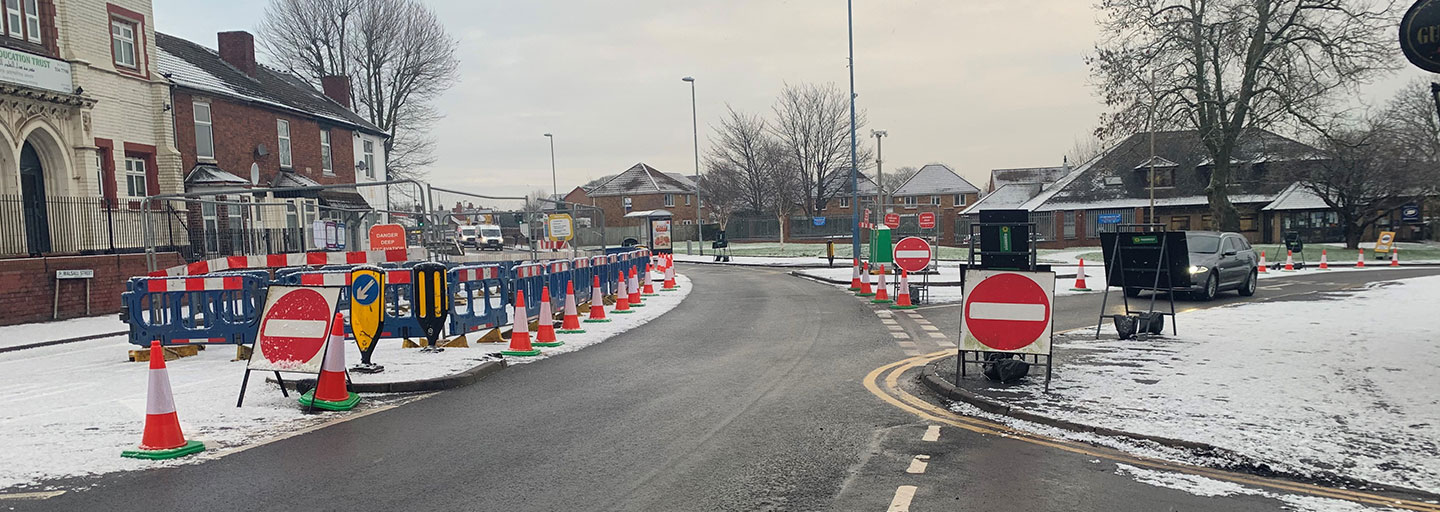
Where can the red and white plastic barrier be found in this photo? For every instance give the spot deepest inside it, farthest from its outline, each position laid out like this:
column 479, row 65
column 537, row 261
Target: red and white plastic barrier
column 292, row 260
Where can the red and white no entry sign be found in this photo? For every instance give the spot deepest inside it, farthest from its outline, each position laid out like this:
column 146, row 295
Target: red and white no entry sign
column 912, row 254
column 1007, row 311
column 892, row 220
column 927, row 220
column 294, row 329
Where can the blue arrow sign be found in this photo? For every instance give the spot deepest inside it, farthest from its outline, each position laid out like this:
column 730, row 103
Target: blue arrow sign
column 365, row 289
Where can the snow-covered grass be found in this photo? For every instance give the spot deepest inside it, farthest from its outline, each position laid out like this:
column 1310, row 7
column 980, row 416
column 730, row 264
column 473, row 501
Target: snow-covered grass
column 815, row 252
column 1209, row 487
column 1344, row 385
column 69, row 410
column 1410, row 252
column 24, row 334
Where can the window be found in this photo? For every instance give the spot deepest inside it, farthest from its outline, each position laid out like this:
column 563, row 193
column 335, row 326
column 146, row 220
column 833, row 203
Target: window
column 669, row 199
column 326, row 164
column 32, row 20
column 236, row 226
column 909, row 201
column 282, row 127
column 22, row 20
column 687, row 199
column 935, row 200
column 1228, row 244
column 1206, row 222
column 135, row 185
column 844, row 201
column 1178, row 222
column 204, row 132
column 688, row 222
column 959, row 200
column 1164, row 177
column 627, row 202
column 122, row 41
column 369, row 160
column 99, row 175
column 12, row 19
column 212, row 226
column 1069, row 224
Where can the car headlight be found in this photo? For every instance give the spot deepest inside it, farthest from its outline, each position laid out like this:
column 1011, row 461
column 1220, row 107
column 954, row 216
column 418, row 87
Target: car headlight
column 1199, row 269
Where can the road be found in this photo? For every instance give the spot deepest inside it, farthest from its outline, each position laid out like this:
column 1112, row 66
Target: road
column 750, row 395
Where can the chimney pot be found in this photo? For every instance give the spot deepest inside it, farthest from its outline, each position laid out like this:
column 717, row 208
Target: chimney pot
column 337, row 87
column 238, row 49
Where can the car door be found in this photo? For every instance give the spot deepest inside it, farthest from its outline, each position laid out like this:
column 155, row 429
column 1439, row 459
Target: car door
column 1231, row 265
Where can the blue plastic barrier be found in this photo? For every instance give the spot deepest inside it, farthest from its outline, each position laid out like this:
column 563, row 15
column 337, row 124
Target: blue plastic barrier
column 216, row 308
column 557, row 275
column 529, row 277
column 474, row 291
column 583, row 276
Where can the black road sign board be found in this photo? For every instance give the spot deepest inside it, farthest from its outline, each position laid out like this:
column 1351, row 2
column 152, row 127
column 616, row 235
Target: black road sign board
column 429, row 298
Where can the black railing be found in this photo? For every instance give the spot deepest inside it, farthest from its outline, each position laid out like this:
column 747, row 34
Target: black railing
column 74, row 225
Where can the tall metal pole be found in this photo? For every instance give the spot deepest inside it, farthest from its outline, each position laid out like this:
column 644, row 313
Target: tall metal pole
column 879, row 171
column 554, row 188
column 854, row 170
column 695, row 129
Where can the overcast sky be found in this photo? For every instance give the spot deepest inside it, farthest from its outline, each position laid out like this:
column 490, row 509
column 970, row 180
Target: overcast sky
column 976, row 84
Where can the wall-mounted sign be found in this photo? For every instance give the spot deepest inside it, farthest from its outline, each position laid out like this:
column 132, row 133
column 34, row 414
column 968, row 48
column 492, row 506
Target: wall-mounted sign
column 1108, row 218
column 818, row 221
column 1410, row 213
column 1420, row 35
column 75, row 274
column 35, row 71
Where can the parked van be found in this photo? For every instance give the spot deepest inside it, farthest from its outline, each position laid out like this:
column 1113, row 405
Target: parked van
column 490, row 238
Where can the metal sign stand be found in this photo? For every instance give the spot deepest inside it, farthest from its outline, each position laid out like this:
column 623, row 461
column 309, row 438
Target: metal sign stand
column 963, row 358
column 1115, row 265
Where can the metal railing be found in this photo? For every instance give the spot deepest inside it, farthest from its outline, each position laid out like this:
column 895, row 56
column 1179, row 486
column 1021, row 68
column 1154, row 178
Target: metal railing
column 64, row 225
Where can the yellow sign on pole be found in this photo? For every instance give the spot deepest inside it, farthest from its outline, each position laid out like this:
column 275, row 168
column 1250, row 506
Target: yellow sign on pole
column 1385, row 242
column 367, row 312
column 561, row 226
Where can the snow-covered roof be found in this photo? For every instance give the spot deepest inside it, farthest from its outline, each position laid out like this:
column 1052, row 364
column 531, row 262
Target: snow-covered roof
column 640, row 179
column 1128, row 202
column 1297, row 197
column 838, row 183
column 1156, row 161
column 935, row 179
column 684, row 179
column 1001, row 177
column 1004, row 198
column 206, row 174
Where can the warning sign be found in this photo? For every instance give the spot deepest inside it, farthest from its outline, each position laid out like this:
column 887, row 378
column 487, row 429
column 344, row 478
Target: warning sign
column 367, row 306
column 1385, row 242
column 561, row 227
column 294, row 328
column 1007, row 311
column 384, row 237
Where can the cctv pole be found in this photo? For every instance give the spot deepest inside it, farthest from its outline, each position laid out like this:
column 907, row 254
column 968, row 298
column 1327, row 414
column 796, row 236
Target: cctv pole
column 854, row 171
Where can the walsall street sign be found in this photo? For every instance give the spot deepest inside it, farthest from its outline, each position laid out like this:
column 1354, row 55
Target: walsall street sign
column 912, row 254
column 1420, row 35
column 892, row 220
column 1007, row 311
column 294, row 329
column 927, row 220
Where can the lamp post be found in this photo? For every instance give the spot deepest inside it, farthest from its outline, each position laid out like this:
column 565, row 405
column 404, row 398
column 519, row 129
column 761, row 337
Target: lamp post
column 554, row 188
column 879, row 172
column 854, row 171
column 695, row 130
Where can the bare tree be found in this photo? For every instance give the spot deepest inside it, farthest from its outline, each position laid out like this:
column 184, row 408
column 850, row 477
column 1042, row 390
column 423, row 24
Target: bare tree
column 897, row 177
column 743, row 149
column 787, row 194
column 721, row 186
column 812, row 123
column 1085, row 148
column 396, row 52
column 1224, row 66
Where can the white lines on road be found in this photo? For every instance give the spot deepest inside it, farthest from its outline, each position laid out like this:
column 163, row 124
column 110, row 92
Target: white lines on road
column 901, row 502
column 932, row 434
column 945, row 344
column 894, row 327
column 918, row 464
column 937, row 334
column 900, row 335
column 39, row 495
column 929, row 327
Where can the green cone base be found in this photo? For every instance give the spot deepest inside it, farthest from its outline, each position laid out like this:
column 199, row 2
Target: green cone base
column 547, row 344
column 853, row 289
column 624, row 312
column 637, row 305
column 189, row 448
column 308, row 400
column 523, row 353
column 897, row 306
column 669, row 289
column 649, row 295
column 570, row 331
column 871, row 294
column 881, row 301
column 595, row 320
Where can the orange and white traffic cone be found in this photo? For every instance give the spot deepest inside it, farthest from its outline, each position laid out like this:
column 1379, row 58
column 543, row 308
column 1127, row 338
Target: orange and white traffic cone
column 1394, row 256
column 571, row 323
column 162, row 438
column 545, row 327
column 647, row 286
column 1262, row 268
column 633, row 283
column 669, row 285
column 1360, row 263
column 1289, row 261
column 882, row 295
column 520, row 334
column 622, row 301
column 1324, row 262
column 1080, row 279
column 855, row 275
column 902, row 299
column 330, row 391
column 865, row 290
column 597, row 304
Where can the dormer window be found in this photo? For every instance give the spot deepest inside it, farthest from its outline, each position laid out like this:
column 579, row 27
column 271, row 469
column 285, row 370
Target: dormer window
column 1163, row 171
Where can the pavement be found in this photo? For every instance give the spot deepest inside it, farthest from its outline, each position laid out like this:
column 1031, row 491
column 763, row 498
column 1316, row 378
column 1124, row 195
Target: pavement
column 740, row 398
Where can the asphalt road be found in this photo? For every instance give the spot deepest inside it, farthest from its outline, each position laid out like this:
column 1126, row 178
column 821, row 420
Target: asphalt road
column 748, row 396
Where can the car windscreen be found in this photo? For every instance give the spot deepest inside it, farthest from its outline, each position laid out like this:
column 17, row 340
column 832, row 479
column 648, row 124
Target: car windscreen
column 491, row 233
column 467, row 231
column 1203, row 244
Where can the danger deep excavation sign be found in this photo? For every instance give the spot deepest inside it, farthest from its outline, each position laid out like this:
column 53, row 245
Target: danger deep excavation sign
column 1007, row 311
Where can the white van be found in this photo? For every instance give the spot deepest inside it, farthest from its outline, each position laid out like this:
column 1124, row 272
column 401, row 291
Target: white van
column 490, row 238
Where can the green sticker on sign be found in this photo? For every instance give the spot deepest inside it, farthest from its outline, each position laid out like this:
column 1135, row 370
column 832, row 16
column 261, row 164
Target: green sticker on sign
column 1145, row 239
column 1005, row 238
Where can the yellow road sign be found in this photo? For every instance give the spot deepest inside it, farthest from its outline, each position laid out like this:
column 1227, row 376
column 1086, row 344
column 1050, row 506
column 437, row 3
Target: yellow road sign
column 561, row 226
column 1385, row 242
column 367, row 306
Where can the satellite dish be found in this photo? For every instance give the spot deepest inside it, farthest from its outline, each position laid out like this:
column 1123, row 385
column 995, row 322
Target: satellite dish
column 255, row 173
column 261, row 150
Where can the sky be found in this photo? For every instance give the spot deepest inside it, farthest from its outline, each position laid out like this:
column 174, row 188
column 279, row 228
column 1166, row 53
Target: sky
column 975, row 84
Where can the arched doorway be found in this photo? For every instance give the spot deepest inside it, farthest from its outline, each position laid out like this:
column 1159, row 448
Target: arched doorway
column 32, row 197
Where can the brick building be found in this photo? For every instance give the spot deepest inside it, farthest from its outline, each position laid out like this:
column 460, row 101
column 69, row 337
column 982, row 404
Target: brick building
column 639, row 188
column 938, row 189
column 240, row 124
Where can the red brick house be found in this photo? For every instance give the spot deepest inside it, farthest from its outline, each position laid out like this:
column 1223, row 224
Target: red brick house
column 639, row 188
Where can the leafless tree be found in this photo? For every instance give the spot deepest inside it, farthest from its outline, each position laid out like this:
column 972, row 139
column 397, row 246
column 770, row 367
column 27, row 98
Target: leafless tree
column 897, row 177
column 720, row 185
column 812, row 123
column 743, row 149
column 1085, row 148
column 1224, row 66
column 396, row 52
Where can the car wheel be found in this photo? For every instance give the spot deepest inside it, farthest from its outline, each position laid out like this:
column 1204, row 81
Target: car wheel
column 1212, row 288
column 1248, row 288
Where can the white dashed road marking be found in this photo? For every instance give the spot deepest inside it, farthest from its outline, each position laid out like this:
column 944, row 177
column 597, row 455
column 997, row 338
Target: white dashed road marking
column 939, row 335
column 903, row 495
column 900, row 335
column 918, row 464
column 932, row 434
column 930, row 328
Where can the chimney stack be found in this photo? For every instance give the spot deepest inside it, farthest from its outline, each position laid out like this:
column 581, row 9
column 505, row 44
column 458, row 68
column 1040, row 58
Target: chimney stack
column 337, row 87
column 238, row 49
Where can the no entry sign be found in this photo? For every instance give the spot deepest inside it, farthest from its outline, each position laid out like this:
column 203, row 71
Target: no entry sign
column 1007, row 311
column 892, row 220
column 912, row 254
column 927, row 220
column 294, row 328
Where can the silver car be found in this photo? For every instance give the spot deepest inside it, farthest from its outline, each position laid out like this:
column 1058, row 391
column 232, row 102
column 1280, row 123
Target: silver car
column 1219, row 262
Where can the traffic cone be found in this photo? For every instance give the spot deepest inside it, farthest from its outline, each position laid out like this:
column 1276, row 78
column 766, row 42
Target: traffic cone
column 597, row 304
column 1262, row 268
column 882, row 295
column 520, row 335
column 1360, row 263
column 669, row 285
column 1324, row 263
column 1080, row 279
column 855, row 275
column 622, row 301
column 902, row 299
column 647, row 287
column 1289, row 261
column 865, row 290
column 1395, row 256
column 330, row 392
column 162, row 438
column 633, row 283
column 545, row 328
column 571, row 323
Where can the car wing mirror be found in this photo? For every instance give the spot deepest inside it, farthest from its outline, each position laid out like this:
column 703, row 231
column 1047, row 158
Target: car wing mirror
column 1231, row 253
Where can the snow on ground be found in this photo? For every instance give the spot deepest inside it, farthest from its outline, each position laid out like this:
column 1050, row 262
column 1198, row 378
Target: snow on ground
column 68, row 410
column 24, row 334
column 1341, row 385
column 763, row 261
column 1209, row 487
column 945, row 284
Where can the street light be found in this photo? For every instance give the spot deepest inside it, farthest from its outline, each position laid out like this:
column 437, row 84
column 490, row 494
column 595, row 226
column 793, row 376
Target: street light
column 854, row 166
column 879, row 172
column 695, row 129
column 554, row 188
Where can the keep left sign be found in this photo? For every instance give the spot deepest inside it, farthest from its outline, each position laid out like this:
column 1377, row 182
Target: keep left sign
column 294, row 329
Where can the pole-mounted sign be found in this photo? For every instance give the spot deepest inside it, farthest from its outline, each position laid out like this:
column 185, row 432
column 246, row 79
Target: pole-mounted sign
column 430, row 300
column 367, row 313
column 1420, row 35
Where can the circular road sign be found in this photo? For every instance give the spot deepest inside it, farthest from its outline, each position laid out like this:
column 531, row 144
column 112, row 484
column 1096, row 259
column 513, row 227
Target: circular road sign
column 296, row 327
column 892, row 220
column 1007, row 312
column 912, row 254
column 1420, row 35
column 927, row 220
column 365, row 289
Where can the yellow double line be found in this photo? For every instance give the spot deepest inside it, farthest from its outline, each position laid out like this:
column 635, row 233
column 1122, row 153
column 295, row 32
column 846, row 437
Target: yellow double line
column 883, row 382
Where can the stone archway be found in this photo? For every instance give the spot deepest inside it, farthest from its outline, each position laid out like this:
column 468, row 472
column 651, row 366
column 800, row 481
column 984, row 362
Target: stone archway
column 33, row 201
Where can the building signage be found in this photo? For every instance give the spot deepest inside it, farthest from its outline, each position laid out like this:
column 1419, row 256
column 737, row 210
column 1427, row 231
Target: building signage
column 818, row 221
column 75, row 274
column 1420, row 35
column 660, row 233
column 1410, row 213
column 1108, row 218
column 35, row 71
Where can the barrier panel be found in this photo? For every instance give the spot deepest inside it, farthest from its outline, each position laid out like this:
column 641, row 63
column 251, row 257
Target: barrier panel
column 221, row 308
column 531, row 278
column 399, row 321
column 477, row 297
column 583, row 275
column 291, row 260
column 557, row 274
